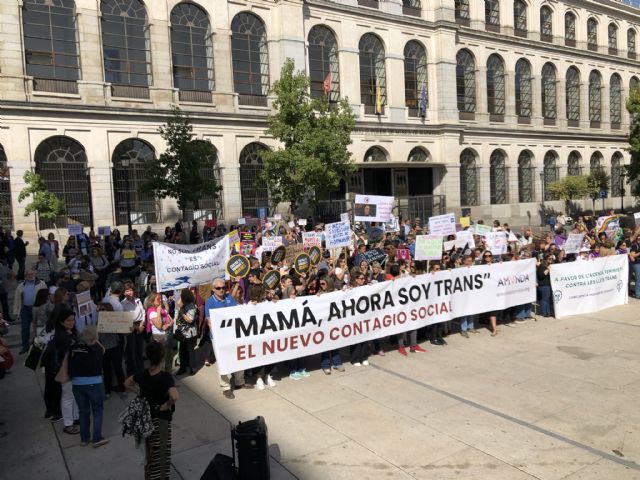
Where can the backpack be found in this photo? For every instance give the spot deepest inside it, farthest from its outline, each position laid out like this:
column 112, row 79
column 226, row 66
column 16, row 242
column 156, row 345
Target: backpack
column 136, row 419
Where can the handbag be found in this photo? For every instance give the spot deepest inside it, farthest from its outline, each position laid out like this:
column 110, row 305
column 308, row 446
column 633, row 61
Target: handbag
column 34, row 357
column 179, row 335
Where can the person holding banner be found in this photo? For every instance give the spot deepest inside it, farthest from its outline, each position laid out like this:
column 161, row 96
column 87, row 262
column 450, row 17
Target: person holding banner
column 359, row 351
column 487, row 259
column 329, row 358
column 467, row 322
column 544, row 286
column 634, row 260
column 186, row 317
column 412, row 335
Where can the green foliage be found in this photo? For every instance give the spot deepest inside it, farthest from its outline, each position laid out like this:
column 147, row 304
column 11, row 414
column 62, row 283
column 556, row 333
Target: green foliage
column 596, row 181
column 177, row 173
column 633, row 169
column 315, row 136
column 569, row 188
column 42, row 200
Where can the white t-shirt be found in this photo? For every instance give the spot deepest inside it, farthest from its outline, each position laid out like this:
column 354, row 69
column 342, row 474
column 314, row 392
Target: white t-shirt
column 153, row 315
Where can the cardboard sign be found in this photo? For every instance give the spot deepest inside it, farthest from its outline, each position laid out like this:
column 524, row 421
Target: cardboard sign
column 573, row 243
column 242, row 221
column 428, row 247
column 238, row 266
column 278, row 255
column 104, row 231
column 292, row 252
column 482, row 230
column 403, row 254
column 442, row 225
column 74, row 229
column 448, row 246
column 337, row 234
column 315, row 254
column 344, row 217
column 312, row 239
column 497, row 242
column 269, row 244
column 115, row 322
column 248, row 249
column 271, row 279
column 370, row 256
column 465, row 238
column 465, row 222
column 291, row 224
column 372, row 208
column 234, row 237
column 302, row 263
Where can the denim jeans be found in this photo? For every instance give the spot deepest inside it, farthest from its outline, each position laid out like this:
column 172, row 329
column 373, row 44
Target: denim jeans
column 467, row 323
column 26, row 318
column 329, row 358
column 90, row 400
column 636, row 273
column 544, row 299
column 522, row 311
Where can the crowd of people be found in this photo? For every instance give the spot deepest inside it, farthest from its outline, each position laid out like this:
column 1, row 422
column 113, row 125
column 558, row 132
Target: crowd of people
column 172, row 329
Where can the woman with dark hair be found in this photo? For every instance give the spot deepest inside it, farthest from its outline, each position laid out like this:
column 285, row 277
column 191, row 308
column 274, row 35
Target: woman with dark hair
column 158, row 388
column 186, row 323
column 332, row 357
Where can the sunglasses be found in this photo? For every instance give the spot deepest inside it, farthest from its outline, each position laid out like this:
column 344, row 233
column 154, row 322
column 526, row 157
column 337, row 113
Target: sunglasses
column 323, row 284
column 487, row 256
column 219, row 288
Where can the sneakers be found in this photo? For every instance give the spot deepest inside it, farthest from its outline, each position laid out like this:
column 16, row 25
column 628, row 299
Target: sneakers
column 381, row 353
column 229, row 394
column 270, row 381
column 295, row 376
column 304, row 373
column 464, row 333
column 520, row 320
column 417, row 348
column 365, row 363
column 84, row 444
column 356, row 364
column 339, row 368
column 475, row 332
column 55, row 418
column 260, row 384
column 402, row 351
column 101, row 442
column 327, row 371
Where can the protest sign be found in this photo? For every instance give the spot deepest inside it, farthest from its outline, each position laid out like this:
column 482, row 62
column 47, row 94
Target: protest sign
column 344, row 217
column 448, row 246
column 442, row 225
column 393, row 225
column 315, row 254
column 403, row 254
column 269, row 244
column 115, row 322
column 636, row 217
column 465, row 239
column 370, row 256
column 291, row 224
column 302, row 263
column 242, row 221
column 465, row 222
column 248, row 249
column 271, row 279
column 372, row 208
column 74, row 229
column 234, row 237
column 248, row 336
column 292, row 252
column 482, row 230
column 262, row 212
column 277, row 216
column 182, row 266
column 104, row 231
column 278, row 255
column 337, row 234
column 312, row 239
column 83, row 302
column 573, row 243
column 238, row 266
column 302, row 222
column 589, row 286
column 496, row 242
column 428, row 247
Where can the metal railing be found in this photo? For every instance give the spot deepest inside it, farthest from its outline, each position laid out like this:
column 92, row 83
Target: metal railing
column 55, row 86
column 129, row 91
column 252, row 100
column 196, row 96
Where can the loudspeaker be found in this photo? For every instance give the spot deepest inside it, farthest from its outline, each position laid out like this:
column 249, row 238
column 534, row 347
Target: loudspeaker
column 250, row 441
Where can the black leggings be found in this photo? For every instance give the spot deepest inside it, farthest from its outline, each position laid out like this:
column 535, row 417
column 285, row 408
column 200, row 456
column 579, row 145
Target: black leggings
column 52, row 393
column 188, row 353
column 112, row 362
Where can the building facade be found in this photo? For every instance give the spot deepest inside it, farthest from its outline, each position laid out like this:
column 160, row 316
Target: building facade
column 475, row 104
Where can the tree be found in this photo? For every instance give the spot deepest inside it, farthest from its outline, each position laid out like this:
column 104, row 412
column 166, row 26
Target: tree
column 633, row 169
column 43, row 202
column 314, row 136
column 177, row 172
column 597, row 181
column 569, row 188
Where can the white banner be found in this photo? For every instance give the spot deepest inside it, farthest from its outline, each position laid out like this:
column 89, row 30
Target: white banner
column 589, row 286
column 337, row 234
column 248, row 336
column 443, row 225
column 269, row 244
column 182, row 266
column 372, row 208
column 465, row 239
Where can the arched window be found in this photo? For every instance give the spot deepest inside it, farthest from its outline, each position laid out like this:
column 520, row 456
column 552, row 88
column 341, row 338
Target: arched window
column 62, row 164
column 549, row 96
column 616, row 175
column 520, row 18
column 254, row 193
column 631, row 43
column 525, row 177
column 573, row 96
column 250, row 54
column 466, row 81
column 595, row 98
column 373, row 76
column 613, row 39
column 462, row 12
column 495, row 86
column 595, row 164
column 375, row 154
column 209, row 208
column 498, row 178
column 546, row 24
column 417, row 154
column 51, row 45
column 6, row 212
column 570, row 29
column 523, row 88
column 126, row 47
column 411, row 7
column 468, row 178
column 415, row 79
column 129, row 174
column 324, row 69
column 573, row 164
column 492, row 14
column 592, row 34
column 615, row 100
column 191, row 52
column 550, row 172
column 634, row 84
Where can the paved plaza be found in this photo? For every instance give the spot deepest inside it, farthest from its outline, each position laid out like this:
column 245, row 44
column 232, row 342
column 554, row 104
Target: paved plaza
column 548, row 400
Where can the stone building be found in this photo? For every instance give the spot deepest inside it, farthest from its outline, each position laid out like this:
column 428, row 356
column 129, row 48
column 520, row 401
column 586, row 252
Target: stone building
column 460, row 103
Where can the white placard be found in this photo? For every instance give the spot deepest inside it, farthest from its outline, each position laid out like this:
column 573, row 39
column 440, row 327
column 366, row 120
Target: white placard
column 277, row 216
column 573, row 243
column 182, row 266
column 344, row 217
column 242, row 221
column 337, row 234
column 636, row 216
column 74, row 229
column 269, row 244
column 291, row 224
column 481, row 230
column 248, row 336
column 393, row 225
column 428, row 247
column 589, row 286
column 302, row 222
column 496, row 242
column 372, row 208
column 311, row 239
column 443, row 225
column 115, row 322
column 104, row 231
column 447, row 246
column 465, row 238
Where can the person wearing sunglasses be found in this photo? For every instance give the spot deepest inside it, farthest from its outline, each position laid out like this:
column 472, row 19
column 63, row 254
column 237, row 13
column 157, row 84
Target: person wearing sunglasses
column 222, row 299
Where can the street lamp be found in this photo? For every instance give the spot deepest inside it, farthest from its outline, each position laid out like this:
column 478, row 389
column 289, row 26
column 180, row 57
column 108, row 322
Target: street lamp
column 543, row 215
column 622, row 192
column 125, row 162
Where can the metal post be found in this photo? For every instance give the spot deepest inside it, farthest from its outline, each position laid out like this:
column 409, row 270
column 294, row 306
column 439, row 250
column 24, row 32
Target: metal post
column 125, row 162
column 622, row 192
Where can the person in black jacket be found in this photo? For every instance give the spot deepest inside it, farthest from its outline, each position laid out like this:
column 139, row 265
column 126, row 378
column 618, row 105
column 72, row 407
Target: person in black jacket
column 85, row 370
column 544, row 286
column 20, row 253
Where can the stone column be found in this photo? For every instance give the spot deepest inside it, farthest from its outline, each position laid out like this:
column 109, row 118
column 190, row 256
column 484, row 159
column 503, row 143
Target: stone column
column 605, row 115
column 441, row 73
column 537, row 119
column 223, row 96
column 584, row 105
column 395, row 109
column 561, row 103
column 510, row 116
column 12, row 73
column 482, row 109
column 91, row 85
column 161, row 89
